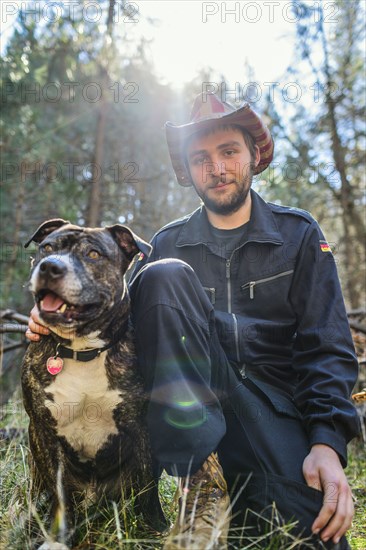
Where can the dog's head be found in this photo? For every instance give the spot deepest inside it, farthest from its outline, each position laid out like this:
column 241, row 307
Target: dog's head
column 77, row 276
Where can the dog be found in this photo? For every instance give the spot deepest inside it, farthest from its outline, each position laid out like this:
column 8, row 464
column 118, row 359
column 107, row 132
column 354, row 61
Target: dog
column 81, row 386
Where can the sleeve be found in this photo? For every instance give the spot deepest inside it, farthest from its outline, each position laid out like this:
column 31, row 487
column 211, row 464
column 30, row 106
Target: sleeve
column 324, row 355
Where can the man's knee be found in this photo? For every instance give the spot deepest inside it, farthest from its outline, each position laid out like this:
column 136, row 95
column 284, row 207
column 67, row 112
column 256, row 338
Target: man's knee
column 172, row 283
column 169, row 270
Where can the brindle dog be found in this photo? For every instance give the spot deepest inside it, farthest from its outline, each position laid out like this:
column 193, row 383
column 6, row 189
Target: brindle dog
column 81, row 385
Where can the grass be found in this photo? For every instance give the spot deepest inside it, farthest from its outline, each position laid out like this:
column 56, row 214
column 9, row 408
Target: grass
column 117, row 527
column 356, row 472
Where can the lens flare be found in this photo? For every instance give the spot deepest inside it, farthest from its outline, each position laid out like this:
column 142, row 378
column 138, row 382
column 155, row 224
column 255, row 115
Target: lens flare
column 186, row 415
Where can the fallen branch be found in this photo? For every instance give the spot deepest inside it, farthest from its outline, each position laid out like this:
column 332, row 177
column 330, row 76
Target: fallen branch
column 358, row 311
column 13, row 346
column 12, row 327
column 12, row 315
column 358, row 327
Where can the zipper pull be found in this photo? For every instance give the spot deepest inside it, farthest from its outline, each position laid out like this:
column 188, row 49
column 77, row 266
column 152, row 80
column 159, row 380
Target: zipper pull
column 228, row 269
column 251, row 290
column 243, row 371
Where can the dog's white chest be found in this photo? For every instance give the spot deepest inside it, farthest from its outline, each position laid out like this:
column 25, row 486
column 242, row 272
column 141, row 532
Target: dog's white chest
column 83, row 405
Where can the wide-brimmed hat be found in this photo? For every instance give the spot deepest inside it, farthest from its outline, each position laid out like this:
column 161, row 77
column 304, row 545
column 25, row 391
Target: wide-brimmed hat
column 209, row 111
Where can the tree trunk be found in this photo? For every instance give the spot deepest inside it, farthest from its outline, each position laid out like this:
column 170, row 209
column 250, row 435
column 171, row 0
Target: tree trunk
column 94, row 214
column 11, row 264
column 94, row 210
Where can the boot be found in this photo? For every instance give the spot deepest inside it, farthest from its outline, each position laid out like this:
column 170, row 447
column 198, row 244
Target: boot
column 204, row 511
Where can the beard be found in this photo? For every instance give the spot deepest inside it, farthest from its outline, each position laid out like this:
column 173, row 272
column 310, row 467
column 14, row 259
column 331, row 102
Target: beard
column 228, row 204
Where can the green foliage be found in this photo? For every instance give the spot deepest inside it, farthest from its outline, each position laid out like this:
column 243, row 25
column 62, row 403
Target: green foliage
column 357, row 479
column 58, row 76
column 62, row 77
column 319, row 166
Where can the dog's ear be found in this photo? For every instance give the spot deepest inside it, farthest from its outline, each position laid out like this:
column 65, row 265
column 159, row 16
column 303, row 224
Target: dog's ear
column 45, row 229
column 130, row 243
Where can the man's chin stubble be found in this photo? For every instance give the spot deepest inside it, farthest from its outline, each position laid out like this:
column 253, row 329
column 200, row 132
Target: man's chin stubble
column 225, row 209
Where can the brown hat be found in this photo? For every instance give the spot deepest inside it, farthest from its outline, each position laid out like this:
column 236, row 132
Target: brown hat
column 209, row 111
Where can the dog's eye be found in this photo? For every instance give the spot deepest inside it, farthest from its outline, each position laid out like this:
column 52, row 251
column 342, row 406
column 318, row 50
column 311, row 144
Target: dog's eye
column 93, row 254
column 48, row 248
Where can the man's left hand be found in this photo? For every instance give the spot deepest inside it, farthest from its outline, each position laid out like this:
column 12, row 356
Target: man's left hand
column 323, row 471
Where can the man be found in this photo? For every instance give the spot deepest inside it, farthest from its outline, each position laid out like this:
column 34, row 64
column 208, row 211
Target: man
column 244, row 345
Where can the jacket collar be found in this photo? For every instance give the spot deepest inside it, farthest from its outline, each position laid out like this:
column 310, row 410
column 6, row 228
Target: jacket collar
column 262, row 225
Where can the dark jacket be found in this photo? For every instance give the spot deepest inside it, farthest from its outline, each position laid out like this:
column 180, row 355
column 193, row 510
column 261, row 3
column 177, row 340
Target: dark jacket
column 279, row 310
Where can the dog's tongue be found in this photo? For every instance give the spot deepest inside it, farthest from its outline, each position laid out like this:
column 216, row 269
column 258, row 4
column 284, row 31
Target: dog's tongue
column 51, row 302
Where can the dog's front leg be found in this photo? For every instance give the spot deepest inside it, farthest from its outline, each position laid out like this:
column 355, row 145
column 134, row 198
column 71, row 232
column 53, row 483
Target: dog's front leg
column 62, row 513
column 62, row 505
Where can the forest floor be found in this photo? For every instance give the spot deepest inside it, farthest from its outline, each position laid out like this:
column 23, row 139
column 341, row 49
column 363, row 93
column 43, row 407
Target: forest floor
column 118, row 527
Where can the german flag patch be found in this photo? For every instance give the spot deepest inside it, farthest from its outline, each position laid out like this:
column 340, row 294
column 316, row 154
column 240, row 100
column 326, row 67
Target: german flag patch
column 324, row 246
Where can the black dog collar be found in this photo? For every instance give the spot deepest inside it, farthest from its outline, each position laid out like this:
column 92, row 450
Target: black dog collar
column 88, row 355
column 84, row 356
column 55, row 363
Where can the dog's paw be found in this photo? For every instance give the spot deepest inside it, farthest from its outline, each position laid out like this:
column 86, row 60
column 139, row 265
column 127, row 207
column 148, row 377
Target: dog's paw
column 53, row 546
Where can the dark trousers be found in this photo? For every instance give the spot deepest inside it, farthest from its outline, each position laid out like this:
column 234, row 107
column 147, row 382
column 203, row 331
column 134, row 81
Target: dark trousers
column 198, row 404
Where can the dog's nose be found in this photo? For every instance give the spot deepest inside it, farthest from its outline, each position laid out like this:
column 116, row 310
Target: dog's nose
column 52, row 268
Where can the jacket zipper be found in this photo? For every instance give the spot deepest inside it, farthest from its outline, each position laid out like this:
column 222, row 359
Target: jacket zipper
column 252, row 284
column 235, row 320
column 228, row 278
column 236, row 337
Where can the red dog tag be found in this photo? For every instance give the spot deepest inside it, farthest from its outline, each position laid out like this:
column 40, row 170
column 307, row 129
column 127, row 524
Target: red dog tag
column 54, row 365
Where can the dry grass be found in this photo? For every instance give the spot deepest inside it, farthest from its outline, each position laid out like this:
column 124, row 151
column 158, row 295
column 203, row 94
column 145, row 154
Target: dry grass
column 117, row 526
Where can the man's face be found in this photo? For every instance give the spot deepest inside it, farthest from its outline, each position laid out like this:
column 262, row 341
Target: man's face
column 221, row 169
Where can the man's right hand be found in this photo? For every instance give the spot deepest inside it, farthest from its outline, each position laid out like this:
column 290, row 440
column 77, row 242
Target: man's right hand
column 35, row 328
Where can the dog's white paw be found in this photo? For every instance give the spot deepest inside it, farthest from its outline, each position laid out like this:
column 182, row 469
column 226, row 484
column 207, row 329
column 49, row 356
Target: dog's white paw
column 53, row 546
